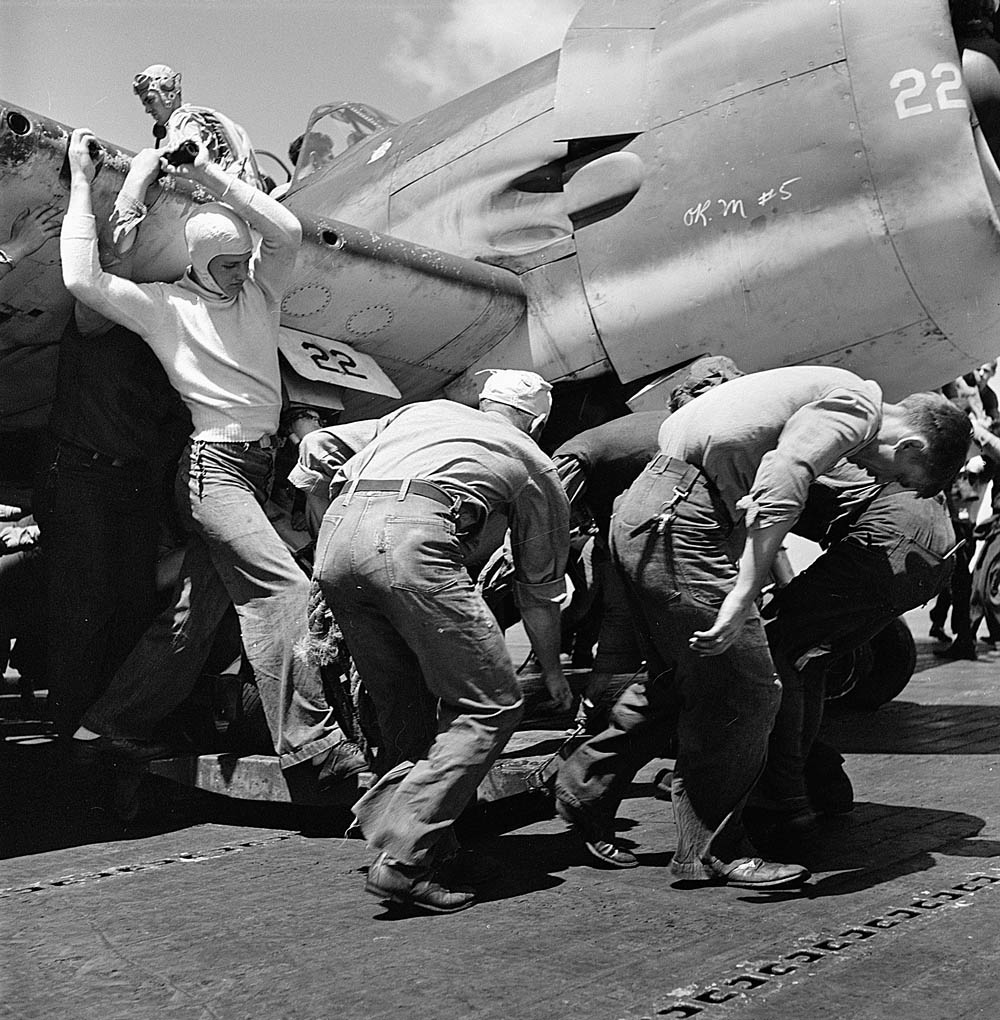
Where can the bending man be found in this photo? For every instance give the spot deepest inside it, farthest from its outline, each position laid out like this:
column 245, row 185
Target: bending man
column 734, row 468
column 390, row 560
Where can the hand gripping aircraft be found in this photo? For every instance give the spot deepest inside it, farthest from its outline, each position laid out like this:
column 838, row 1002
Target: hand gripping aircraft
column 783, row 182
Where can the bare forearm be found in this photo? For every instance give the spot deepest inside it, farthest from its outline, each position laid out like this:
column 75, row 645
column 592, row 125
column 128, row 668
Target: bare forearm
column 542, row 625
column 759, row 552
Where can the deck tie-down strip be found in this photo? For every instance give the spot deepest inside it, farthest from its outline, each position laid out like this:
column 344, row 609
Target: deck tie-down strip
column 132, row 869
column 769, row 974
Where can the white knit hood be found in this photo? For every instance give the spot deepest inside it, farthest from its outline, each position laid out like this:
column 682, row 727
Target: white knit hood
column 214, row 229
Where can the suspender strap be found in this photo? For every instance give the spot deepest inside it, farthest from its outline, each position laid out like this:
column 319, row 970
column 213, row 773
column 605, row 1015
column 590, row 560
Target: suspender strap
column 683, row 487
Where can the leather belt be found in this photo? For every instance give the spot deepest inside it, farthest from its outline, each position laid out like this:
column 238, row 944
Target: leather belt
column 403, row 486
column 265, row 443
column 662, row 463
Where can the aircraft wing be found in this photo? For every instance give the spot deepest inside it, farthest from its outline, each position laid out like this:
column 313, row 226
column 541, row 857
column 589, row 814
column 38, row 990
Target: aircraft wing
column 369, row 321
column 784, row 182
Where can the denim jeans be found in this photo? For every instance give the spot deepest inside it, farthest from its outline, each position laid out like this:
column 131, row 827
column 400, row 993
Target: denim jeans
column 891, row 560
column 98, row 528
column 392, row 573
column 723, row 705
column 618, row 646
column 236, row 556
column 22, row 611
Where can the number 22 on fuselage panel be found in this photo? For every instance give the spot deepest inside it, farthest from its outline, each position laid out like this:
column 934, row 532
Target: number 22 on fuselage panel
column 817, row 197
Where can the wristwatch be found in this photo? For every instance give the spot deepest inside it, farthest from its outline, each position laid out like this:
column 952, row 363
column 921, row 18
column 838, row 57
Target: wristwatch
column 5, row 259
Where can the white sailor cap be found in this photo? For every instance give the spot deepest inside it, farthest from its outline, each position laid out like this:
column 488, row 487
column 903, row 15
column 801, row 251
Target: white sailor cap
column 527, row 391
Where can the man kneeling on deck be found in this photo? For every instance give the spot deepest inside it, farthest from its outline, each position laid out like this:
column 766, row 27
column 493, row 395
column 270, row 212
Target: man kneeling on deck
column 734, row 468
column 390, row 560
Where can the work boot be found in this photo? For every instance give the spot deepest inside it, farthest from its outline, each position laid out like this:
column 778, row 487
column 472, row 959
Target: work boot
column 343, row 761
column 827, row 784
column 415, row 886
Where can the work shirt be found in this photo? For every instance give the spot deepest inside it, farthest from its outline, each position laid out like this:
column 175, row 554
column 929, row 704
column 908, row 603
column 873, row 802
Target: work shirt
column 598, row 465
column 340, row 443
column 113, row 397
column 481, row 457
column 764, row 438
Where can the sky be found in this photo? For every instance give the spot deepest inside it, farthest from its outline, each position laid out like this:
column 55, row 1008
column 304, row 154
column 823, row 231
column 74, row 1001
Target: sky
column 264, row 63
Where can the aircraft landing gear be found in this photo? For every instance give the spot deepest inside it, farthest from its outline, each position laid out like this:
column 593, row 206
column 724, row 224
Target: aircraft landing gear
column 876, row 672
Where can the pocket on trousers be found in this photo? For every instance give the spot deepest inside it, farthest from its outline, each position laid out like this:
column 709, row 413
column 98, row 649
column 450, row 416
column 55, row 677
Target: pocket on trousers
column 917, row 574
column 327, row 532
column 642, row 500
column 423, row 554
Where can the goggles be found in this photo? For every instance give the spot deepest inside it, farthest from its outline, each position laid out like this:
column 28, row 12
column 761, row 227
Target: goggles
column 143, row 83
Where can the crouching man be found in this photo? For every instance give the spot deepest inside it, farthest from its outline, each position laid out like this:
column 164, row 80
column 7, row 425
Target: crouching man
column 390, row 560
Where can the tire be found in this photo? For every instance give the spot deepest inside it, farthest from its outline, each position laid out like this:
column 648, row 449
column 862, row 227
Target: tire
column 249, row 733
column 893, row 659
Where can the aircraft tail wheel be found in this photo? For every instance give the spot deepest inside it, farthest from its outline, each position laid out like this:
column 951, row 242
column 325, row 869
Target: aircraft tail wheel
column 893, row 659
column 248, row 732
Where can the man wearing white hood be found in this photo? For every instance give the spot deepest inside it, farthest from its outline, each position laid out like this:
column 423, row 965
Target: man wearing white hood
column 215, row 331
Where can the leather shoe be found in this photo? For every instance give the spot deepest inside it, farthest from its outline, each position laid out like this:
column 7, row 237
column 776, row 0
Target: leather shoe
column 121, row 749
column 827, row 784
column 939, row 633
column 470, row 868
column 957, row 651
column 789, row 824
column 598, row 842
column 415, row 886
column 756, row 873
column 343, row 762
column 831, row 794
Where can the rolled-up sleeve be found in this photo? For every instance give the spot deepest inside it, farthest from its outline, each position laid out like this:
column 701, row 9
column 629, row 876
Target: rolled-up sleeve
column 539, row 533
column 817, row 436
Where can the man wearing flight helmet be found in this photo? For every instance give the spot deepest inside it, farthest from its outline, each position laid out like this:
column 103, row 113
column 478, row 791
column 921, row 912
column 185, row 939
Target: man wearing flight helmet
column 175, row 122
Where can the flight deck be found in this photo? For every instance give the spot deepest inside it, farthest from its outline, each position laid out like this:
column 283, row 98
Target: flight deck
column 223, row 909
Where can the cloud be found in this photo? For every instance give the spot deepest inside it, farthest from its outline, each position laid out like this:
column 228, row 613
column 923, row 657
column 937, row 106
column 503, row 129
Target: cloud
column 475, row 42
